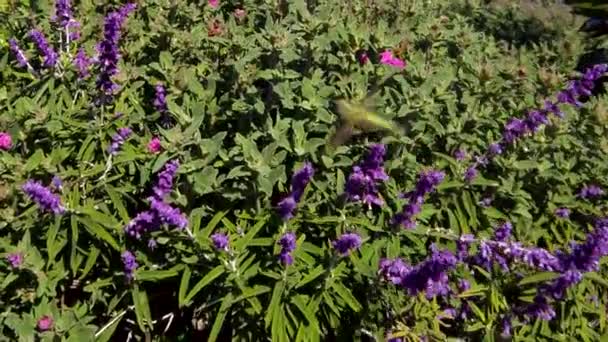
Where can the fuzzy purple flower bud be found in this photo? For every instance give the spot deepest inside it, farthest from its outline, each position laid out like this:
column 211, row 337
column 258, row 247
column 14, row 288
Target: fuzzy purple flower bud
column 167, row 214
column 562, row 213
column 130, row 264
column 220, row 241
column 503, row 232
column 362, row 183
column 160, row 98
column 346, row 243
column 427, row 182
column 288, row 245
column 118, row 139
column 82, row 63
column 46, row 200
column 164, row 183
column 286, row 208
column 460, row 154
column 47, row 52
column 591, row 192
column 470, row 174
column 19, row 55
column 15, row 259
column 63, row 13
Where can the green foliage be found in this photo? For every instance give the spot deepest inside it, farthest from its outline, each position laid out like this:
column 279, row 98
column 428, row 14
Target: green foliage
column 247, row 107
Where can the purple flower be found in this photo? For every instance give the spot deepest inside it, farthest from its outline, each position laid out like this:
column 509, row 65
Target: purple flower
column 486, row 202
column 145, row 221
column 19, row 55
column 495, row 149
column 562, row 213
column 535, row 120
column 130, row 264
column 591, row 192
column 362, row 183
column 427, row 182
column 152, row 244
column 220, row 241
column 470, row 174
column 167, row 214
column 73, row 29
column 63, row 13
column 82, row 63
column 431, row 275
column 539, row 309
column 462, row 246
column 108, row 48
column 286, row 208
column 460, row 154
column 463, row 285
column 47, row 52
column 160, row 98
column 57, row 182
column 505, row 326
column 46, row 200
column 514, row 129
column 164, row 183
column 118, row 139
column 393, row 270
column 288, row 245
column 503, row 232
column 15, row 259
column 553, row 108
column 557, row 288
column 585, row 256
column 346, row 243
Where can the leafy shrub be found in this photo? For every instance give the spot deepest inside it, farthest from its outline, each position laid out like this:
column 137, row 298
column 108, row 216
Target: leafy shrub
column 165, row 172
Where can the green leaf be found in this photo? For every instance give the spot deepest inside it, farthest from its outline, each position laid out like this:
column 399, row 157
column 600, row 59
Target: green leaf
column 183, row 286
column 220, row 316
column 538, row 278
column 98, row 231
column 243, row 242
column 109, row 328
column 206, row 280
column 116, row 200
column 155, row 275
column 34, row 161
column 311, row 276
column 275, row 302
column 142, row 307
column 347, row 296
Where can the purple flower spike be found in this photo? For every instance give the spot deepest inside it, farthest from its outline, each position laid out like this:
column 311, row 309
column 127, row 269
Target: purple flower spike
column 503, row 232
column 46, row 200
column 562, row 213
column 167, row 214
column 63, row 13
column 47, row 52
column 130, row 264
column 288, row 245
column 286, row 208
column 82, row 63
column 553, row 108
column 346, row 243
column 118, row 139
column 539, row 309
column 470, row 174
column 460, row 154
column 19, row 55
column 164, row 183
column 220, row 241
column 160, row 98
column 591, row 192
column 427, row 182
column 362, row 183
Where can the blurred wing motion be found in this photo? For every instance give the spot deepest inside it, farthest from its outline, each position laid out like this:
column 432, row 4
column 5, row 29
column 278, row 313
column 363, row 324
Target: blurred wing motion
column 360, row 117
column 589, row 8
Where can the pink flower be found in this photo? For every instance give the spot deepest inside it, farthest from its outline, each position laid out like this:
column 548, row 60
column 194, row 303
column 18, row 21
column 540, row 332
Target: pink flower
column 387, row 58
column 154, row 145
column 6, row 142
column 239, row 14
column 363, row 58
column 45, row 323
column 214, row 3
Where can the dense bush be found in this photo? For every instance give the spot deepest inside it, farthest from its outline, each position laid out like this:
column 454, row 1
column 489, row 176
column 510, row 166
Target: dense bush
column 165, row 171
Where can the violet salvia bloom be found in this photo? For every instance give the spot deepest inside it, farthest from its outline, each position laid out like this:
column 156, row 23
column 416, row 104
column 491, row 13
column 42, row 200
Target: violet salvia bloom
column 393, row 270
column 346, row 243
column 118, row 139
column 535, row 120
column 557, row 288
column 586, row 256
column 590, row 192
column 220, row 241
column 164, row 183
column 286, row 208
column 144, row 222
column 460, row 154
column 462, row 246
column 108, row 49
column 463, row 285
column 130, row 264
column 82, row 63
column 47, row 52
column 63, row 13
column 57, row 182
column 167, row 214
column 431, row 275
column 15, row 259
column 503, row 232
column 540, row 308
column 362, row 183
column 300, row 179
column 427, row 182
column 562, row 213
column 553, row 108
column 514, row 129
column 470, row 174
column 19, row 55
column 160, row 98
column 288, row 245
column 46, row 200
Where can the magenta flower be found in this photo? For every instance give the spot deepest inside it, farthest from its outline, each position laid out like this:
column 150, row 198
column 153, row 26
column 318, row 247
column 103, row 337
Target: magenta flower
column 154, row 145
column 214, row 3
column 45, row 323
column 6, row 142
column 387, row 58
column 15, row 259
